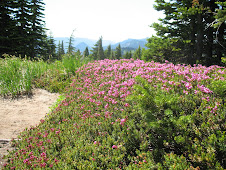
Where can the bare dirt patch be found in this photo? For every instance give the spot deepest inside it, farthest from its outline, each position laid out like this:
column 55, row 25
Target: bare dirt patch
column 21, row 113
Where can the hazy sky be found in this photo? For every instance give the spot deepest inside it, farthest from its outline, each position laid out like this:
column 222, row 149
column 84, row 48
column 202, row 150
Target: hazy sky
column 115, row 20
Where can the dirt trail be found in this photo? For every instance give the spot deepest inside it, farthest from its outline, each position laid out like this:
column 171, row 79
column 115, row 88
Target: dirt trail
column 21, row 113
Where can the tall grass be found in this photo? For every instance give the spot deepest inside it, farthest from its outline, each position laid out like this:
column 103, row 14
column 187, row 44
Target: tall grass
column 72, row 62
column 21, row 75
column 16, row 74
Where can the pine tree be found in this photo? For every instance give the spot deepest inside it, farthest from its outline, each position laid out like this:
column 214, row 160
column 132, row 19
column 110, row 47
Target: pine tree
column 100, row 53
column 86, row 52
column 71, row 48
column 187, row 31
column 59, row 50
column 22, row 28
column 112, row 55
column 23, row 23
column 118, row 53
column 95, row 50
column 7, row 25
column 138, row 53
column 128, row 55
column 37, row 30
column 49, row 48
column 107, row 52
column 62, row 48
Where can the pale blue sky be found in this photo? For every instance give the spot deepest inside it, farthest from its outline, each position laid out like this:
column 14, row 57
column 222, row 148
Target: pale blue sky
column 115, row 20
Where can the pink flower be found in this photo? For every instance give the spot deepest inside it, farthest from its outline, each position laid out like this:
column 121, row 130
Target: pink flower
column 95, row 142
column 106, row 106
column 126, row 105
column 43, row 154
column 114, row 147
column 57, row 132
column 185, row 92
column 123, row 120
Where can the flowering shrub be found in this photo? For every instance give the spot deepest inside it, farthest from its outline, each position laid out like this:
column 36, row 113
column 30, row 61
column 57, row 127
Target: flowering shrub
column 128, row 114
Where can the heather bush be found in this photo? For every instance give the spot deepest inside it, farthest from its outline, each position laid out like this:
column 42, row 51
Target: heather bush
column 128, row 114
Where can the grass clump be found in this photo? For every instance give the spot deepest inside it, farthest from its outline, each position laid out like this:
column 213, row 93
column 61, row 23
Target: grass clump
column 128, row 114
column 19, row 76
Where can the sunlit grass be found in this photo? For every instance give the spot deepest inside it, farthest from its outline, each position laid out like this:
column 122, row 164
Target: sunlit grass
column 19, row 76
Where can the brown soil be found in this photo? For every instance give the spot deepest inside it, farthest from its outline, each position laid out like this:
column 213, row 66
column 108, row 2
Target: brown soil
column 21, row 113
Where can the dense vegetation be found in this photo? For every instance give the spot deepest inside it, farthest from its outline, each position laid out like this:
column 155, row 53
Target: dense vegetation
column 128, row 114
column 18, row 76
column 117, row 111
column 191, row 32
column 22, row 29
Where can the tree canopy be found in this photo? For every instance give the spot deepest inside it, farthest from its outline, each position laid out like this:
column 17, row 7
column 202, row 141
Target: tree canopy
column 22, row 28
column 186, row 34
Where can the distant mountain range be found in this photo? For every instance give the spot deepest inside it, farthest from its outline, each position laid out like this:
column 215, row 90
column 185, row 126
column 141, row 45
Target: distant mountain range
column 82, row 43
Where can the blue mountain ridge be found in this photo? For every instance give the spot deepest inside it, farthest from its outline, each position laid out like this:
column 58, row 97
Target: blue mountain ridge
column 82, row 43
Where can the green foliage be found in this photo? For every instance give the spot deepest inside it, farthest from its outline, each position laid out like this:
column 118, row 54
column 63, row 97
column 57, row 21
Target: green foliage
column 128, row 114
column 138, row 53
column 86, row 52
column 97, row 51
column 183, row 125
column 60, row 73
column 220, row 15
column 186, row 38
column 219, row 88
column 128, row 55
column 17, row 75
column 107, row 52
column 160, row 49
column 22, row 29
column 118, row 52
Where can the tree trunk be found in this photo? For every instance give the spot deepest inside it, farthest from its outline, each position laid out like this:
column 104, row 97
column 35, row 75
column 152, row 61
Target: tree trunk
column 199, row 50
column 220, row 49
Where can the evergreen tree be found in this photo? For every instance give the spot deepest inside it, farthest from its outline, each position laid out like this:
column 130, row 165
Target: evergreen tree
column 128, row 55
column 7, row 25
column 23, row 23
column 187, row 33
column 62, row 48
column 100, row 53
column 49, row 50
column 86, row 52
column 58, row 49
column 95, row 50
column 118, row 52
column 78, row 53
column 112, row 55
column 138, row 53
column 71, row 49
column 37, row 30
column 22, row 28
column 107, row 52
